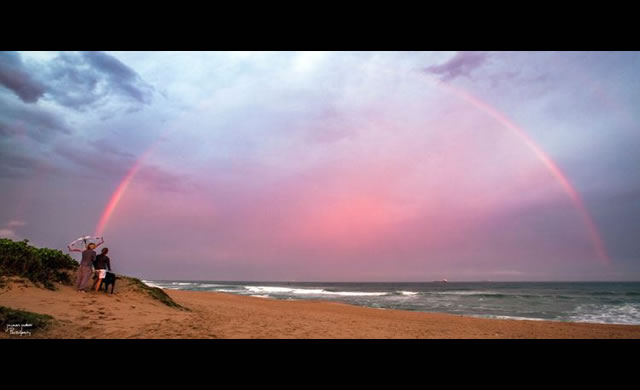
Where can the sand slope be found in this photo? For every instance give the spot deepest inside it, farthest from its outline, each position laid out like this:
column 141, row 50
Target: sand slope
column 133, row 314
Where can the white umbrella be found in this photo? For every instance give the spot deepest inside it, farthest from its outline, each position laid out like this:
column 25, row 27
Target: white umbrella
column 80, row 244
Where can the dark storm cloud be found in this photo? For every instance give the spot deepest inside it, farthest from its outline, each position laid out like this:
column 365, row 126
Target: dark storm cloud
column 74, row 80
column 77, row 80
column 462, row 64
column 14, row 76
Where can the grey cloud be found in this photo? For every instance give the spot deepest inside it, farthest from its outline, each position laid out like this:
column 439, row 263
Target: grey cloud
column 462, row 64
column 19, row 166
column 32, row 121
column 103, row 146
column 106, row 162
column 617, row 215
column 72, row 84
column 77, row 80
column 74, row 80
column 14, row 76
column 90, row 160
column 122, row 77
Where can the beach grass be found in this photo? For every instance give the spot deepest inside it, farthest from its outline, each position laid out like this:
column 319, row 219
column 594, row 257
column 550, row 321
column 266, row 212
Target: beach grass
column 154, row 292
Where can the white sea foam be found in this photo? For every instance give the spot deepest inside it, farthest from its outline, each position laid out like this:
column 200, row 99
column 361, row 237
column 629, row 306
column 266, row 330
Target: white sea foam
column 226, row 290
column 150, row 284
column 409, row 293
column 267, row 289
column 356, row 293
column 627, row 314
column 515, row 318
column 465, row 293
column 309, row 291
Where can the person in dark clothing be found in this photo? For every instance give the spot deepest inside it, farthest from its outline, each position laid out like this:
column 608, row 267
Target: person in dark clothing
column 84, row 271
column 101, row 265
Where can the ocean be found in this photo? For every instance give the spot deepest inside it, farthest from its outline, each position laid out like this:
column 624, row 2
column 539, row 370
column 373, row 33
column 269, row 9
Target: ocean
column 594, row 302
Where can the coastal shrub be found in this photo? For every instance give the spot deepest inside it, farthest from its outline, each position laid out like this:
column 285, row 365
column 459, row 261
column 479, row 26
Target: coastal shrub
column 40, row 265
column 32, row 321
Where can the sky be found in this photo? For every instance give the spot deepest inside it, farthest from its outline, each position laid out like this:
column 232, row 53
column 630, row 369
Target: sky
column 328, row 166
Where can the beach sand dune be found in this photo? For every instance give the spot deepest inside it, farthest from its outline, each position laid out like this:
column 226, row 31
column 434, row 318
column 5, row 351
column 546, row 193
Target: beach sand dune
column 131, row 313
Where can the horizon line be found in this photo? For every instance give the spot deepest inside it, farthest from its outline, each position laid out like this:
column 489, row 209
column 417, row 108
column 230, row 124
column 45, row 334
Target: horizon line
column 396, row 281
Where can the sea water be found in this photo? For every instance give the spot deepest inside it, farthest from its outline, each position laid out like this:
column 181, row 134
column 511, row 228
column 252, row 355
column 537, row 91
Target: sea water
column 595, row 302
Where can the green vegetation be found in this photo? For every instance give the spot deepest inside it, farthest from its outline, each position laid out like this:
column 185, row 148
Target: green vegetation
column 46, row 266
column 11, row 318
column 40, row 265
column 154, row 292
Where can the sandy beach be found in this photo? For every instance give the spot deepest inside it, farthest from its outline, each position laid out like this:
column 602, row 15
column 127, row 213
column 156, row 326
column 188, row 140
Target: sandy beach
column 130, row 313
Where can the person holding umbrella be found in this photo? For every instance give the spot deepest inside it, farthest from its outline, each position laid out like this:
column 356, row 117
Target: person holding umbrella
column 85, row 271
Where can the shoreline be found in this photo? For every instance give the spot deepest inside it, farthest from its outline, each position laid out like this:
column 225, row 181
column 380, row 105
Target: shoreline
column 133, row 314
column 560, row 303
column 487, row 317
column 344, row 320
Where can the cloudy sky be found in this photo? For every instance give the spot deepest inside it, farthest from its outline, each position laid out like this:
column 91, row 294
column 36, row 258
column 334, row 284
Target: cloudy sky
column 328, row 166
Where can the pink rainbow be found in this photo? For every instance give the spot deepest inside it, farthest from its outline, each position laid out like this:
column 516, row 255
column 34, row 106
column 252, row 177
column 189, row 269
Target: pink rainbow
column 116, row 196
column 555, row 171
column 120, row 191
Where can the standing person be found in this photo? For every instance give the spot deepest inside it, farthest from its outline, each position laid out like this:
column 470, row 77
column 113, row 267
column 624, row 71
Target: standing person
column 101, row 265
column 84, row 271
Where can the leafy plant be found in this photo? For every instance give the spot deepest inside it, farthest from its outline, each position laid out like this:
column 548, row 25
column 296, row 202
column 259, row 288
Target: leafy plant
column 40, row 265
